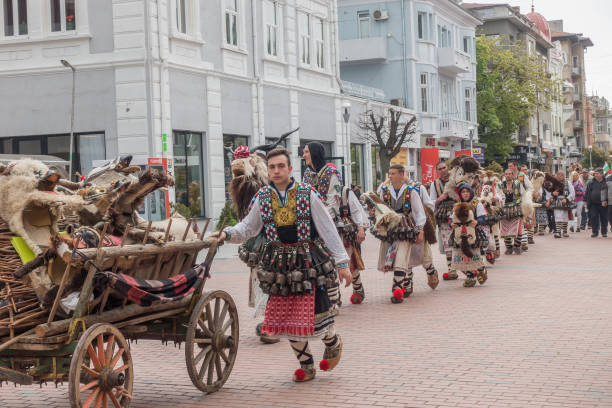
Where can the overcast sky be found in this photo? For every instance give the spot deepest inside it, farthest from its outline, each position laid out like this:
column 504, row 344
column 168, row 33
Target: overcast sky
column 592, row 18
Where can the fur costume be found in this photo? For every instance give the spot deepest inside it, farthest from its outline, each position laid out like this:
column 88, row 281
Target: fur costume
column 466, row 254
column 385, row 218
column 463, row 170
column 249, row 175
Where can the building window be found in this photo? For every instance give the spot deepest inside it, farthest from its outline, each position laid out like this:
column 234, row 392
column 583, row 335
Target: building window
column 272, row 27
column 422, row 25
column 319, row 36
column 424, row 92
column 15, row 17
column 365, row 27
column 444, row 37
column 304, row 28
column 231, row 22
column 577, row 114
column 468, row 104
column 181, row 16
column 188, row 171
column 63, row 16
column 575, row 61
column 377, row 176
column 231, row 142
column 356, row 164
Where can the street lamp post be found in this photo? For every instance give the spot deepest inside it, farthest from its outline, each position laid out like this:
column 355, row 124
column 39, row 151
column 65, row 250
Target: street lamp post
column 590, row 157
column 471, row 129
column 528, row 140
column 346, row 116
column 68, row 65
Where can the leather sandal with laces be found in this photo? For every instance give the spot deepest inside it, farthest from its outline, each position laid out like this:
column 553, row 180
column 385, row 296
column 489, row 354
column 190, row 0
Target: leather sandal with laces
column 331, row 356
column 432, row 279
column 304, row 374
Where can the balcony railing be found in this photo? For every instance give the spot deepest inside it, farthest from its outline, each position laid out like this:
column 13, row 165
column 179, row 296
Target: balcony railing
column 454, row 61
column 578, row 124
column 362, row 50
column 453, row 127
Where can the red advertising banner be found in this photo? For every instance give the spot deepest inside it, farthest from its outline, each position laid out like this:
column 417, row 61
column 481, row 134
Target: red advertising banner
column 460, row 152
column 429, row 158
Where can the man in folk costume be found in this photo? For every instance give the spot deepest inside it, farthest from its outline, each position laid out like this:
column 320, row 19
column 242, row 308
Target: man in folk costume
column 559, row 194
column 346, row 211
column 468, row 222
column 249, row 174
column 298, row 263
column 511, row 224
column 443, row 209
column 402, row 250
column 527, row 190
column 492, row 203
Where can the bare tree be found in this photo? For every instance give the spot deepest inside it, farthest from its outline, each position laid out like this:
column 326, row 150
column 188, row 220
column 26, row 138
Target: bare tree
column 389, row 132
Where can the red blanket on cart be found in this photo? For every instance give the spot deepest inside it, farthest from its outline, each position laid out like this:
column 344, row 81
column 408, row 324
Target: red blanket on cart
column 147, row 292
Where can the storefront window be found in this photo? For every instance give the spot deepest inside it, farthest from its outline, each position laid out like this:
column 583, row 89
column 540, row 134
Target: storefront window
column 231, row 142
column 91, row 147
column 189, row 186
column 356, row 164
column 377, row 176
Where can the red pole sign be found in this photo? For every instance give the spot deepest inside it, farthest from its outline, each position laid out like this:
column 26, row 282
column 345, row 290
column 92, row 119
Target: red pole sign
column 429, row 158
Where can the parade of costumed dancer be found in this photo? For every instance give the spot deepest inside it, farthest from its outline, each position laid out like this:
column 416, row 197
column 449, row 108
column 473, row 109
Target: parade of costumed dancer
column 511, row 223
column 249, row 174
column 302, row 258
column 429, row 231
column 541, row 212
column 467, row 237
column 346, row 211
column 560, row 198
column 492, row 201
column 400, row 219
column 443, row 208
column 526, row 236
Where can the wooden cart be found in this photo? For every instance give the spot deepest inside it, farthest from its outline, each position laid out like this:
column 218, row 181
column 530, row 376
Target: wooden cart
column 90, row 349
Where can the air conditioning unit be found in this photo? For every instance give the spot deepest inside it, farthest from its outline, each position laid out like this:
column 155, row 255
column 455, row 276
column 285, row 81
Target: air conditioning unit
column 380, row 15
column 397, row 102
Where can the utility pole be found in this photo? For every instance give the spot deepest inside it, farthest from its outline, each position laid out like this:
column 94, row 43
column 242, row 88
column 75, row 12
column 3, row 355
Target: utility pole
column 68, row 65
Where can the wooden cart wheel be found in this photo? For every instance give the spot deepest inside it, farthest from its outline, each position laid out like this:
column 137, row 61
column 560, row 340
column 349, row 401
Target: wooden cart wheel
column 101, row 370
column 212, row 341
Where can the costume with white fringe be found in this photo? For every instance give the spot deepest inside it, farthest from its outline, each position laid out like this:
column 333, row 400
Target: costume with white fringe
column 511, row 223
column 559, row 197
column 466, row 244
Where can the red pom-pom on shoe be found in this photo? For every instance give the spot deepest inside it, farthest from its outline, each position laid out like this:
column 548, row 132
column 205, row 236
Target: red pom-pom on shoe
column 300, row 374
column 324, row 365
column 476, row 272
column 398, row 293
column 356, row 299
column 445, row 275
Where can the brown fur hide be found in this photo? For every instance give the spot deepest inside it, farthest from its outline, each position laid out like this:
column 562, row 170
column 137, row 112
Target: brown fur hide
column 250, row 174
column 463, row 170
column 462, row 213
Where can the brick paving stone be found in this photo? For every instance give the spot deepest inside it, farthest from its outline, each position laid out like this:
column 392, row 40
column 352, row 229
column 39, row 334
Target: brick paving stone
column 536, row 334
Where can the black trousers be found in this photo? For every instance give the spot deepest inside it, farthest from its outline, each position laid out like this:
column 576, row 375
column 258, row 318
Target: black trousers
column 551, row 220
column 599, row 218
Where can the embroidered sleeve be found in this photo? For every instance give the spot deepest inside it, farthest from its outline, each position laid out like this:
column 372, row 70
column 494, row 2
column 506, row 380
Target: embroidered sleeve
column 417, row 209
column 357, row 212
column 249, row 227
column 326, row 229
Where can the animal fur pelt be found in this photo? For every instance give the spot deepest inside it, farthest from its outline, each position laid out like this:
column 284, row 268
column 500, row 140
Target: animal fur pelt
column 465, row 235
column 386, row 219
column 538, row 180
column 250, row 174
column 429, row 230
column 463, row 170
column 551, row 183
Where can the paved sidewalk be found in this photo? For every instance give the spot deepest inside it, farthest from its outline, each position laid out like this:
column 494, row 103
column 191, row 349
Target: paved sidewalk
column 537, row 334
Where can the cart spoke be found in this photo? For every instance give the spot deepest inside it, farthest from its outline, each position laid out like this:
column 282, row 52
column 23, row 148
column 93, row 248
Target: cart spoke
column 223, row 355
column 93, row 357
column 200, row 355
column 209, row 317
column 116, row 357
column 110, row 346
column 211, row 370
column 205, row 341
column 216, row 315
column 114, row 400
column 202, row 325
column 88, row 386
column 223, row 311
column 105, row 400
column 122, row 368
column 91, row 397
column 89, row 371
column 99, row 399
column 218, row 366
column 101, row 356
column 227, row 325
column 205, row 364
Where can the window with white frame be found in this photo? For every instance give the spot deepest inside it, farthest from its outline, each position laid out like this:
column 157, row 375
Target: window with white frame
column 181, row 16
column 271, row 17
column 63, row 16
column 231, row 22
column 365, row 27
column 319, row 41
column 422, row 25
column 305, row 37
column 444, row 37
column 424, row 92
column 14, row 17
column 468, row 104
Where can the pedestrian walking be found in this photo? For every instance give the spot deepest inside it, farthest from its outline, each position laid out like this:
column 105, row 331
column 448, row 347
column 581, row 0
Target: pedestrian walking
column 584, row 216
column 609, row 185
column 597, row 201
column 579, row 190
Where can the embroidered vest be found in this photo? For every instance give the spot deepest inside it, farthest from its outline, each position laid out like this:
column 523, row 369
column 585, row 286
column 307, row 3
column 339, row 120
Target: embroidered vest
column 513, row 195
column 295, row 212
column 386, row 196
column 321, row 180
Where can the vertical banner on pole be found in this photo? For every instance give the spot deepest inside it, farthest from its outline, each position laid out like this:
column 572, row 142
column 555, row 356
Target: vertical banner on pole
column 429, row 158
